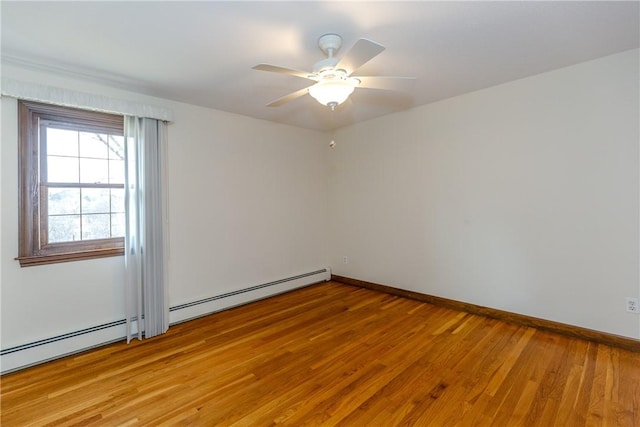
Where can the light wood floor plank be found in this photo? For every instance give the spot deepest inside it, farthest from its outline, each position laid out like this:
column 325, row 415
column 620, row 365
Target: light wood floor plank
column 333, row 354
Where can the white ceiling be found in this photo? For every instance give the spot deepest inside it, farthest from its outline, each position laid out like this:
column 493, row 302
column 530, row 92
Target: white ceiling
column 202, row 52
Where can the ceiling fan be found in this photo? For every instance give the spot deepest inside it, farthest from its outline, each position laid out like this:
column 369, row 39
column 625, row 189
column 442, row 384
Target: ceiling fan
column 333, row 77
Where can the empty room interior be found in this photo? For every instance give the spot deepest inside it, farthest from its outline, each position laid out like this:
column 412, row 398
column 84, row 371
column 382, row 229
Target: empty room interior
column 320, row 213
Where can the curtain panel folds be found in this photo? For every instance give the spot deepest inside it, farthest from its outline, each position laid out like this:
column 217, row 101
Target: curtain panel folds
column 147, row 305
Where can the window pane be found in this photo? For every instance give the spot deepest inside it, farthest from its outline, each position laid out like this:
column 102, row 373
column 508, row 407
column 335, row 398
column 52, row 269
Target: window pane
column 63, row 201
column 117, row 225
column 96, row 226
column 95, row 200
column 94, row 171
column 62, row 169
column 64, row 228
column 116, row 147
column 117, row 200
column 116, row 171
column 62, row 142
column 94, row 145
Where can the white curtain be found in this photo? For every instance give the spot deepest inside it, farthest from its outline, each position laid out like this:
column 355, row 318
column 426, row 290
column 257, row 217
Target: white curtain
column 147, row 305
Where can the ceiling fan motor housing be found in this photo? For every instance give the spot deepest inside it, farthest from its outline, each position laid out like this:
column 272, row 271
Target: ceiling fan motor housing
column 324, row 64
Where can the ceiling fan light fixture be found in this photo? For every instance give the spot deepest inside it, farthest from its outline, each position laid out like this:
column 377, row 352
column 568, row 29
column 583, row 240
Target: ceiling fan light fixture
column 332, row 91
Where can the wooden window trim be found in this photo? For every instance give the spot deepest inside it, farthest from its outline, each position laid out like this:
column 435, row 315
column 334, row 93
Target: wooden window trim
column 31, row 251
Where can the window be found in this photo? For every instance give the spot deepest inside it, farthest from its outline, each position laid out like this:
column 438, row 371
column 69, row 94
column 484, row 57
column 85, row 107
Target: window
column 71, row 184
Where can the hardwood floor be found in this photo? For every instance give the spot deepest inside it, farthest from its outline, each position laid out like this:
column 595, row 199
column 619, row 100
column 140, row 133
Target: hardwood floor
column 333, row 354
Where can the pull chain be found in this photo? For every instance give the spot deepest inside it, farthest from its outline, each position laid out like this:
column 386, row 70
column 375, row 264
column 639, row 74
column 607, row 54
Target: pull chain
column 332, row 144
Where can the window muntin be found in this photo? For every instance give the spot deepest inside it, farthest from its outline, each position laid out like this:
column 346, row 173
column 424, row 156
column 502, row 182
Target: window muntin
column 72, row 182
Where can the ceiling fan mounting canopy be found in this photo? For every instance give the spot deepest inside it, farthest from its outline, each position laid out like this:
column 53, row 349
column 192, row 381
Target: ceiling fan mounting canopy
column 332, row 76
column 330, row 44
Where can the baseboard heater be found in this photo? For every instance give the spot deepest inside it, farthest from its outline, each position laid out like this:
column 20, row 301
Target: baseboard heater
column 61, row 337
column 252, row 288
column 36, row 352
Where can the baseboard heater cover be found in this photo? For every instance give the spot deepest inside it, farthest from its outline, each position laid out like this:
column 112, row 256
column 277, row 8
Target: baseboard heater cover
column 40, row 351
column 252, row 288
column 203, row 307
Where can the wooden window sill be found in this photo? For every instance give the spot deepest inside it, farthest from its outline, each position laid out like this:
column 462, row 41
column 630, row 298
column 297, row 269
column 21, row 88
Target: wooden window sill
column 30, row 261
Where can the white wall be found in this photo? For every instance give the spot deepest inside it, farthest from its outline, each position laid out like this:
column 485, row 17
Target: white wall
column 248, row 203
column 521, row 197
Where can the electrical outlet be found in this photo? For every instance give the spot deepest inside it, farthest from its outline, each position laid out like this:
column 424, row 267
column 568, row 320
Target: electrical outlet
column 632, row 305
column 345, row 260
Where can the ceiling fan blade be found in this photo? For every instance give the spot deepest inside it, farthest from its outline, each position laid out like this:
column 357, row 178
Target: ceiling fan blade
column 282, row 70
column 290, row 97
column 386, row 82
column 362, row 52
